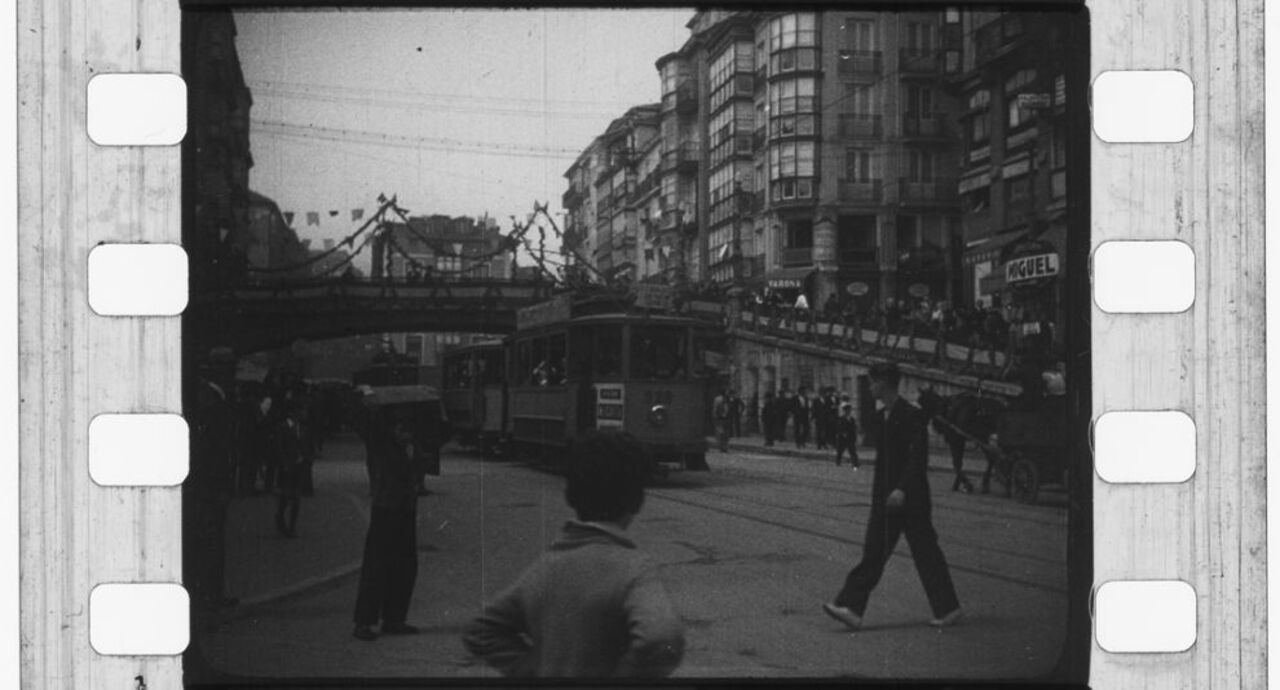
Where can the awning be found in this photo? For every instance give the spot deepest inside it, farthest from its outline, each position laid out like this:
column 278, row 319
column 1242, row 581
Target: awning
column 989, row 249
column 788, row 278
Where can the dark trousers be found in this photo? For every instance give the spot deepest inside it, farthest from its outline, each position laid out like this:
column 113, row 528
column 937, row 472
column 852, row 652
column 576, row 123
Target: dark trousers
column 843, row 444
column 770, row 432
column 802, row 433
column 390, row 567
column 883, row 530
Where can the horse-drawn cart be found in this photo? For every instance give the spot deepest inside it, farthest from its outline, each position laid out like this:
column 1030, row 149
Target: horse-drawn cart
column 1031, row 444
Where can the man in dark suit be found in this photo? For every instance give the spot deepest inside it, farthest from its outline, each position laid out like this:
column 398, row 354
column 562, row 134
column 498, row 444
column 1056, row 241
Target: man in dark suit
column 900, row 504
column 802, row 413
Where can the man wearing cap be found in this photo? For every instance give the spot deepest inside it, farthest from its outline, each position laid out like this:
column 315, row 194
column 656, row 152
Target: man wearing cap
column 900, row 504
column 846, row 434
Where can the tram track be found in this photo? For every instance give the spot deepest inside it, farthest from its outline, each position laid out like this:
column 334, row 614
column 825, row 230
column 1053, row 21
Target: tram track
column 740, row 507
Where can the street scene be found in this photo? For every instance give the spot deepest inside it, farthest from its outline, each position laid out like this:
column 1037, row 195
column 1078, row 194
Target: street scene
column 637, row 344
column 748, row 550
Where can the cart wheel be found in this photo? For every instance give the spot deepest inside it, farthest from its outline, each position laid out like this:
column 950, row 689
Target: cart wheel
column 1025, row 481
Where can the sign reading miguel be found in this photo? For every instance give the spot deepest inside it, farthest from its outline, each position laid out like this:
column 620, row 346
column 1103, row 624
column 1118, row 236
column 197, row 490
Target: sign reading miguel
column 1033, row 267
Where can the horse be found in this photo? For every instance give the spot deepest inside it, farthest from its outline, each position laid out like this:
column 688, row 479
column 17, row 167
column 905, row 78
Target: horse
column 961, row 418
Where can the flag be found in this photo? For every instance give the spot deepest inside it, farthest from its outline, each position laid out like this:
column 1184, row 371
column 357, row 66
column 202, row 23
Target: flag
column 724, row 252
column 382, row 198
column 333, row 214
column 357, row 213
column 288, row 217
column 313, row 218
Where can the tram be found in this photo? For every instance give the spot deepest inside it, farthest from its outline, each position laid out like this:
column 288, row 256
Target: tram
column 473, row 379
column 574, row 367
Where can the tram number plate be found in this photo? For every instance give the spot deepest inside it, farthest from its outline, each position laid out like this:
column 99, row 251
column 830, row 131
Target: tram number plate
column 608, row 411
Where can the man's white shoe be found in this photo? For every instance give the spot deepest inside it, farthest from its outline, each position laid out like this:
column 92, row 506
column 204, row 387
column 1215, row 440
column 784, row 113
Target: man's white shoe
column 947, row 620
column 851, row 620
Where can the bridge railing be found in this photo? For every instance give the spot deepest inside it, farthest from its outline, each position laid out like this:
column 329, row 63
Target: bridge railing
column 911, row 343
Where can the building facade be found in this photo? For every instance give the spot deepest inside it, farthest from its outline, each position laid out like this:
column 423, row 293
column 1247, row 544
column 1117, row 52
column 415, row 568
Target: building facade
column 439, row 247
column 216, row 159
column 807, row 151
column 1013, row 169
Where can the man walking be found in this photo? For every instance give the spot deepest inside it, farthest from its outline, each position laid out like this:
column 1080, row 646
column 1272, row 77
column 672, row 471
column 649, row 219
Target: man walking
column 846, row 435
column 720, row 415
column 900, row 504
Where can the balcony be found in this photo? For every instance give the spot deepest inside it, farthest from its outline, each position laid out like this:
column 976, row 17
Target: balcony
column 914, row 126
column 683, row 158
column 572, row 197
column 797, row 256
column 647, row 185
column 683, row 100
column 999, row 37
column 850, row 62
column 916, row 62
column 858, row 257
column 870, row 191
column 859, row 126
column 936, row 192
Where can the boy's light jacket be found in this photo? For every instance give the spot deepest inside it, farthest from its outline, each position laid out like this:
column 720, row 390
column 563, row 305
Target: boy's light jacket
column 590, row 607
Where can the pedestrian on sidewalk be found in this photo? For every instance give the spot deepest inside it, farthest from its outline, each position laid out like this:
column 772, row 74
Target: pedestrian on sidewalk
column 770, row 413
column 900, row 504
column 593, row 606
column 736, row 409
column 291, row 451
column 395, row 455
column 802, row 416
column 720, row 419
column 847, row 436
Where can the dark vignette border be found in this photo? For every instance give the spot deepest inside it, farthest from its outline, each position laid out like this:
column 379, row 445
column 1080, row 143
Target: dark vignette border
column 1072, row 668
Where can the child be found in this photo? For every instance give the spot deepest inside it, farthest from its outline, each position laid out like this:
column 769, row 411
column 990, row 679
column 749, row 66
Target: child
column 847, row 435
column 592, row 606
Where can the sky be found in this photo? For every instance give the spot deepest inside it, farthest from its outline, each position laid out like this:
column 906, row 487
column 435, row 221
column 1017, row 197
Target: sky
column 459, row 112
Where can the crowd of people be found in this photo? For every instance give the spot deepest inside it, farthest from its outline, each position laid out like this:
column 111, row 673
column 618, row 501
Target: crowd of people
column 1015, row 331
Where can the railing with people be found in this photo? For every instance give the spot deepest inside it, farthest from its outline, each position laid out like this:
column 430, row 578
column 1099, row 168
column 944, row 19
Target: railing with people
column 959, row 346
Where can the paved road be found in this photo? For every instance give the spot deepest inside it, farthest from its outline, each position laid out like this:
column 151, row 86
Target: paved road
column 749, row 550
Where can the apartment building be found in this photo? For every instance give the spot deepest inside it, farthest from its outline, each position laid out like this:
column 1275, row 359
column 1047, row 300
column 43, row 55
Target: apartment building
column 603, row 202
column 1013, row 170
column 803, row 151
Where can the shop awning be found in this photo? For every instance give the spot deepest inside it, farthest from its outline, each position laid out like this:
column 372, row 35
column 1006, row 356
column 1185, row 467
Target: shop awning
column 788, row 278
column 989, row 249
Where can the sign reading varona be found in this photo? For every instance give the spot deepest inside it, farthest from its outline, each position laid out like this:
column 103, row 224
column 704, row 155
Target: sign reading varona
column 1031, row 268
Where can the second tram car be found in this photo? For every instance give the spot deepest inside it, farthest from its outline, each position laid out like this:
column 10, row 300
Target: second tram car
column 473, row 393
column 647, row 374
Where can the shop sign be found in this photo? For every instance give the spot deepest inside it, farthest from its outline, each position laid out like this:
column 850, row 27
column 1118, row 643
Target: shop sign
column 918, row 290
column 1030, row 268
column 857, row 289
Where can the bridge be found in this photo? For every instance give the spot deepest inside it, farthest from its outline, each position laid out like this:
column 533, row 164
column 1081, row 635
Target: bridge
column 251, row 318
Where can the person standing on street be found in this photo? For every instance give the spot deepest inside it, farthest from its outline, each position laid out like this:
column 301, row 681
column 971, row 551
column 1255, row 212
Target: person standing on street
column 292, row 457
column 593, row 607
column 847, row 436
column 900, row 504
column 802, row 414
column 720, row 419
column 769, row 418
column 736, row 409
column 209, row 486
column 390, row 566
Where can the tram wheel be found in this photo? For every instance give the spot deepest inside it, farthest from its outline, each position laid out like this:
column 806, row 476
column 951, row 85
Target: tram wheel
column 1025, row 481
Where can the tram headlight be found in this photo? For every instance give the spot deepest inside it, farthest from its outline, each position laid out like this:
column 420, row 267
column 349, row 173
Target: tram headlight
column 658, row 415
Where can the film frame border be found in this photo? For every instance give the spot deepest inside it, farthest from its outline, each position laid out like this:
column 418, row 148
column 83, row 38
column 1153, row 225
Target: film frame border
column 1175, row 338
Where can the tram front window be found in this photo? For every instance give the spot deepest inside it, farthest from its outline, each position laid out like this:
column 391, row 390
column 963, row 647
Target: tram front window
column 658, row 352
column 607, row 351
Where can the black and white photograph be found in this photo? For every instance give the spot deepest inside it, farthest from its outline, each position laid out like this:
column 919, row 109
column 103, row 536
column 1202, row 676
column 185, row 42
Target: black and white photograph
column 673, row 344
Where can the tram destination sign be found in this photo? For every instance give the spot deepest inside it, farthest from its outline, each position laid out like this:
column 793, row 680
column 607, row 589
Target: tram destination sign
column 1030, row 268
column 554, row 310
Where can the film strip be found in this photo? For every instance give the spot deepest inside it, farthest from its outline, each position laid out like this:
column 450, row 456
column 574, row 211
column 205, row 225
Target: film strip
column 1177, row 322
